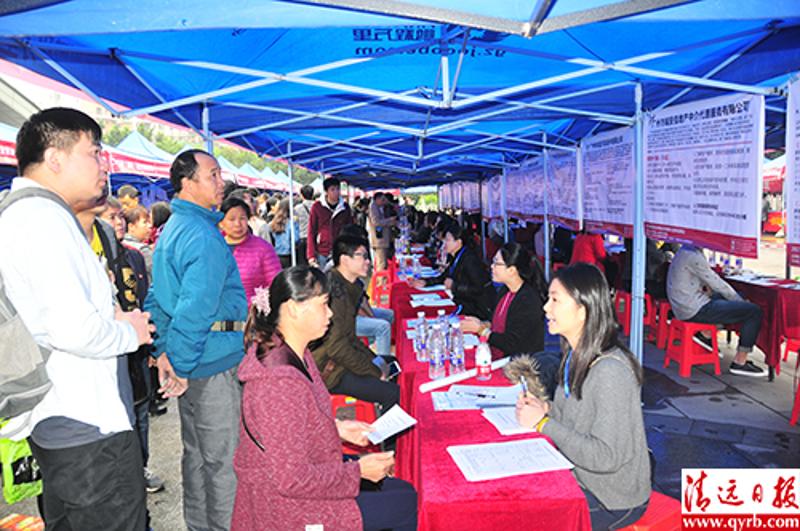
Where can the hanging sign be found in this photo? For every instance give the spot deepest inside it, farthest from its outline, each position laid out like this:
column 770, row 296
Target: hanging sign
column 608, row 177
column 703, row 173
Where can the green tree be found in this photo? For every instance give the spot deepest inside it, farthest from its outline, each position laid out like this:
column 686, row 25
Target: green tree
column 168, row 144
column 114, row 133
column 146, row 130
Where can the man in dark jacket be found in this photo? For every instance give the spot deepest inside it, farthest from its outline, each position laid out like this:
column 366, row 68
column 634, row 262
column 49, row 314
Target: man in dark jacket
column 325, row 222
column 346, row 364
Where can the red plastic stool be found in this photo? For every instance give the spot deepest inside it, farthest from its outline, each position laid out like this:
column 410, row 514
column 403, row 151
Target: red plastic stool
column 663, row 514
column 792, row 345
column 682, row 348
column 659, row 331
column 381, row 289
column 622, row 307
column 349, row 408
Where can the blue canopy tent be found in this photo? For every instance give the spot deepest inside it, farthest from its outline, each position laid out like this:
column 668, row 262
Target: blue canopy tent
column 403, row 93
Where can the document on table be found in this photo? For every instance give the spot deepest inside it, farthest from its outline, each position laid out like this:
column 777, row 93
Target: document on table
column 499, row 394
column 480, row 462
column 505, row 420
column 390, row 423
column 432, row 304
column 447, row 401
column 425, row 296
column 437, row 287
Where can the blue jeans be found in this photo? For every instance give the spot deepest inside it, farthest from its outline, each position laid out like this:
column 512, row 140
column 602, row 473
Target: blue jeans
column 605, row 519
column 746, row 314
column 377, row 329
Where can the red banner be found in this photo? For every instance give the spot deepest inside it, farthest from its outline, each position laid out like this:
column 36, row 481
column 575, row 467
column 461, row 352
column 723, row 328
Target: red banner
column 603, row 227
column 724, row 243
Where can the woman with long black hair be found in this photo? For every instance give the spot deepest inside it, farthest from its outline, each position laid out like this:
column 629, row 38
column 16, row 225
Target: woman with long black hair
column 595, row 418
column 517, row 323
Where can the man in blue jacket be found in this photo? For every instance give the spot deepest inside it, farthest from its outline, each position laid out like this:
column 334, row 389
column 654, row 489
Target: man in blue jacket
column 198, row 304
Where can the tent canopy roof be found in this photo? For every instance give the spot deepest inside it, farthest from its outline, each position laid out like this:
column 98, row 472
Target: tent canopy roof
column 387, row 100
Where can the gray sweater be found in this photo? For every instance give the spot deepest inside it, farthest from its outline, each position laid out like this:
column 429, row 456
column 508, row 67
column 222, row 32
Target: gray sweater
column 688, row 275
column 603, row 433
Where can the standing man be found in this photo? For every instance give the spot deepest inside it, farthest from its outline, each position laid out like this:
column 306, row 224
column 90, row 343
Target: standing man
column 81, row 431
column 328, row 216
column 198, row 302
column 302, row 212
column 380, row 230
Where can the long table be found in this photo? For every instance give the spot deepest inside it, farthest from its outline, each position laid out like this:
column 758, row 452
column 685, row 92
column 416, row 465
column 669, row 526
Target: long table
column 549, row 501
column 780, row 305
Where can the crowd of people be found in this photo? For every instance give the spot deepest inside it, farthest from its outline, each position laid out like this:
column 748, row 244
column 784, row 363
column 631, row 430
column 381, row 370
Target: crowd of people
column 209, row 309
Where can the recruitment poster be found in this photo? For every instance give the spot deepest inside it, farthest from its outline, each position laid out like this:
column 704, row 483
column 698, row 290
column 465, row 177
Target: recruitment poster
column 563, row 189
column 791, row 184
column 495, row 197
column 486, row 199
column 703, row 173
column 525, row 191
column 608, row 177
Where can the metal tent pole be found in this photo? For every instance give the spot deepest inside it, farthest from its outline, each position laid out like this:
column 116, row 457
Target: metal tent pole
column 503, row 203
column 292, row 234
column 546, row 217
column 639, row 246
column 207, row 130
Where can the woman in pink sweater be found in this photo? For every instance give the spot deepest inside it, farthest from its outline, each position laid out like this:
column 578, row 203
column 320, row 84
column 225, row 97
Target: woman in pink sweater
column 258, row 263
column 291, row 475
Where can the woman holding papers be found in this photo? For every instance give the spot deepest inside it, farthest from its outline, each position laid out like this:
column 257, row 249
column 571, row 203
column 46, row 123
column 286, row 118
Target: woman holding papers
column 595, row 418
column 289, row 462
column 464, row 274
column 517, row 324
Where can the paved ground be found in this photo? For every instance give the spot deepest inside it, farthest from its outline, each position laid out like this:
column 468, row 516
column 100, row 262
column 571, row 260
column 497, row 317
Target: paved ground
column 704, row 421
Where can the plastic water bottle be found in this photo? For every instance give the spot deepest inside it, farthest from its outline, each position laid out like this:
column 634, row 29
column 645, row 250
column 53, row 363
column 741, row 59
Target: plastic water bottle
column 417, row 268
column 483, row 360
column 739, row 264
column 436, row 354
column 456, row 348
column 421, row 337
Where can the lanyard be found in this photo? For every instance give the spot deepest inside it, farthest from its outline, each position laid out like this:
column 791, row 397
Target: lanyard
column 455, row 262
column 566, row 374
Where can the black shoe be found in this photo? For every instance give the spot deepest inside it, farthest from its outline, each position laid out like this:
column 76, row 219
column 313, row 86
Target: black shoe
column 157, row 411
column 747, row 368
column 703, row 341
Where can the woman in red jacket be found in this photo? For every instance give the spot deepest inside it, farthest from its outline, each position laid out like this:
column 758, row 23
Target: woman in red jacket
column 291, row 475
column 589, row 249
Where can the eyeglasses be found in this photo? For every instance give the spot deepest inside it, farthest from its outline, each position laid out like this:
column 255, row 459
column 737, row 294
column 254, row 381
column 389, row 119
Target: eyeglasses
column 364, row 255
column 495, row 263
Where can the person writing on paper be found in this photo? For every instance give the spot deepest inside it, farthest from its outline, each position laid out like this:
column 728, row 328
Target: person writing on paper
column 289, row 461
column 595, row 418
column 518, row 321
column 464, row 274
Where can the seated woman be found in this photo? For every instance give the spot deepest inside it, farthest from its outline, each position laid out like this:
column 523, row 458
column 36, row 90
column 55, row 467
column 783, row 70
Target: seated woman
column 518, row 322
column 257, row 261
column 289, row 461
column 595, row 418
column 464, row 275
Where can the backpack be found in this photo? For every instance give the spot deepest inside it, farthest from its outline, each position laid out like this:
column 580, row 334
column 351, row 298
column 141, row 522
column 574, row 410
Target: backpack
column 23, row 378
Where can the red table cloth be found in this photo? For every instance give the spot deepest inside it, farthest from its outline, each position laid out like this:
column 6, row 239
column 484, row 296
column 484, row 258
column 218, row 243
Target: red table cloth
column 781, row 317
column 400, row 300
column 549, row 501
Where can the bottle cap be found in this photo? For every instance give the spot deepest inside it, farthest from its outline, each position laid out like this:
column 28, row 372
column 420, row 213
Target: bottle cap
column 420, row 315
column 440, row 313
column 483, row 339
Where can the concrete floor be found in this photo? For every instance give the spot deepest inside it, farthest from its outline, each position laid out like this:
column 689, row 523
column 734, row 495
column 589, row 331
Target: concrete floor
column 710, row 421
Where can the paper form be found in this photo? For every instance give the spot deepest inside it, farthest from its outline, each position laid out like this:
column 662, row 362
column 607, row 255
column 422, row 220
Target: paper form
column 390, row 423
column 505, row 420
column 480, row 462
column 449, row 401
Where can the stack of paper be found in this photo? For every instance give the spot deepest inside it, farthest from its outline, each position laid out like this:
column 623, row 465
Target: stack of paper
column 390, row 423
column 432, row 303
column 425, row 296
column 437, row 287
column 490, row 395
column 480, row 462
